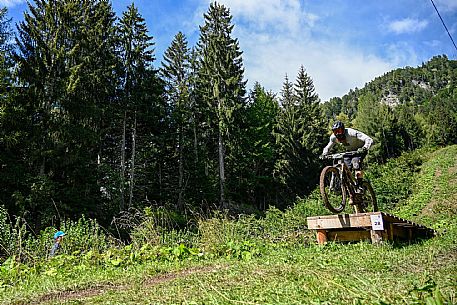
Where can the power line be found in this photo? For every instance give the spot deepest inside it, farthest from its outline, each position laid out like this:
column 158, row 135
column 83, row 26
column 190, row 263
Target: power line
column 444, row 24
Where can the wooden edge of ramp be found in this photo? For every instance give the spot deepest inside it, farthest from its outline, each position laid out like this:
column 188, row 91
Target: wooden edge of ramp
column 377, row 226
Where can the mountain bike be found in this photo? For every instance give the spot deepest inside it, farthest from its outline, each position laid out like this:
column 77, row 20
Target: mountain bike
column 337, row 183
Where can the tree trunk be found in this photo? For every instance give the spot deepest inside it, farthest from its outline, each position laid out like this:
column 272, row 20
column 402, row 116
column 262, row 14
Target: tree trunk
column 194, row 128
column 122, row 174
column 221, row 170
column 181, row 170
column 132, row 163
column 160, row 182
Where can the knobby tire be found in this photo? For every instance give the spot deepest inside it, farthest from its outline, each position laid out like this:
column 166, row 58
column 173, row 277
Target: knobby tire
column 334, row 199
column 369, row 197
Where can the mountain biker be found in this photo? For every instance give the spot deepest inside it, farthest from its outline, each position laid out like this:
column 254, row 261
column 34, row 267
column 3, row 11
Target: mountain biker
column 352, row 140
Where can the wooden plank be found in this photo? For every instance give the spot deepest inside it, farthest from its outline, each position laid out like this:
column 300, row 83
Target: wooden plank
column 355, row 235
column 404, row 225
column 390, row 232
column 340, row 221
column 351, row 227
column 392, row 218
column 321, row 236
column 397, row 220
column 377, row 236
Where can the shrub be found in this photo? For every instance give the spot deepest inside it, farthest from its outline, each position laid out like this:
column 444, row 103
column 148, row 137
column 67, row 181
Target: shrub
column 84, row 235
column 38, row 247
column 216, row 231
column 393, row 182
column 11, row 235
column 155, row 226
column 81, row 236
column 220, row 232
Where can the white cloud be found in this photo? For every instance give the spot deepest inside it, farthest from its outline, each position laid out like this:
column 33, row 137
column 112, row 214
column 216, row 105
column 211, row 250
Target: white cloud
column 278, row 15
column 446, row 5
column 401, row 54
column 277, row 37
column 10, row 3
column 407, row 25
column 335, row 68
column 433, row 43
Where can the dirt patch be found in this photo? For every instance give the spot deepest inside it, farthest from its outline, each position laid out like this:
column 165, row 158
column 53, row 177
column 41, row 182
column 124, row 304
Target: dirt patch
column 435, row 207
column 435, row 263
column 452, row 170
column 69, row 295
column 151, row 281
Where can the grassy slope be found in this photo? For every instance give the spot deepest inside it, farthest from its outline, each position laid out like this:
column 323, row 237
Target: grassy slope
column 358, row 273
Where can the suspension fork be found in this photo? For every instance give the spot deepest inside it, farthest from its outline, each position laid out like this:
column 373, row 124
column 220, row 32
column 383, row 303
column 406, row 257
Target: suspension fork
column 348, row 181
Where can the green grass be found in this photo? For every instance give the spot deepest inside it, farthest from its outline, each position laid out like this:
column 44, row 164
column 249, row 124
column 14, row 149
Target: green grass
column 334, row 274
column 273, row 260
column 434, row 197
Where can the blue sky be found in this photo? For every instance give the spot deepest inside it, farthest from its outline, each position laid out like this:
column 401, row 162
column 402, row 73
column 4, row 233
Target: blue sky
column 342, row 44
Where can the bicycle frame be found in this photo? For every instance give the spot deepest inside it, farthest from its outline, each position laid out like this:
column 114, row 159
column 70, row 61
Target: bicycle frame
column 337, row 182
column 346, row 176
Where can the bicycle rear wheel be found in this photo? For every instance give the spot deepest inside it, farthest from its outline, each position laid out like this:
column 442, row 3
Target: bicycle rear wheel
column 369, row 198
column 332, row 189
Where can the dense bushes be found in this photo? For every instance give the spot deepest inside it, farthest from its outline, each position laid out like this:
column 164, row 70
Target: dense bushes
column 218, row 235
column 18, row 241
column 393, row 181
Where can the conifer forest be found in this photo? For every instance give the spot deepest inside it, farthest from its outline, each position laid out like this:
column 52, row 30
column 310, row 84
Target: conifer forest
column 92, row 124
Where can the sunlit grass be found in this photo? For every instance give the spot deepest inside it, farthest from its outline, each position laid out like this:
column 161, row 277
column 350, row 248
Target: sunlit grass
column 333, row 274
column 267, row 261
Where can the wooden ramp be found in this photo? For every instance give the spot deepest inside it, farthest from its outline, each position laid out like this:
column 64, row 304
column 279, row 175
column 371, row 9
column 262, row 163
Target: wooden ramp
column 375, row 226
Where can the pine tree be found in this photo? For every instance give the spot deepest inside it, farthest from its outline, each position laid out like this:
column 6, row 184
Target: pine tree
column 313, row 119
column 6, row 62
column 283, row 129
column 175, row 72
column 256, row 156
column 287, row 98
column 202, row 179
column 66, row 62
column 300, row 135
column 136, row 63
column 13, row 122
column 221, row 83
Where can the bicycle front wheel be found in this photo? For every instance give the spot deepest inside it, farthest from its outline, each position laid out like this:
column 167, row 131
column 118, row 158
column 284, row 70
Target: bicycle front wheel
column 332, row 189
column 369, row 198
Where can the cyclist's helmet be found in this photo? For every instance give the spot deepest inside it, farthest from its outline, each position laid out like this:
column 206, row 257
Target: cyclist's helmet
column 58, row 234
column 338, row 130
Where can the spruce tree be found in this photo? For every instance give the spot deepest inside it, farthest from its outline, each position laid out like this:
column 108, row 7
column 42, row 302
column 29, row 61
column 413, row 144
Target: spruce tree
column 221, row 86
column 66, row 62
column 175, row 72
column 300, row 136
column 136, row 52
column 256, row 156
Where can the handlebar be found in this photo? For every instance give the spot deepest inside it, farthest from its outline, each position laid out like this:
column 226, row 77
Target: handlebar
column 342, row 155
